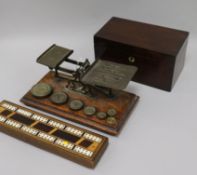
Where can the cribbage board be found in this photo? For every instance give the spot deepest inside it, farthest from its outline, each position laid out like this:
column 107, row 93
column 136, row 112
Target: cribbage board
column 66, row 140
column 123, row 103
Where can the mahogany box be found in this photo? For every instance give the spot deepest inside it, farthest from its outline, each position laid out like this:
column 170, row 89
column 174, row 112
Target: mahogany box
column 158, row 52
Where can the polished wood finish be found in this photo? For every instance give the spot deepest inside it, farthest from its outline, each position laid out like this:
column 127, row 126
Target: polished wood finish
column 90, row 162
column 158, row 52
column 123, row 103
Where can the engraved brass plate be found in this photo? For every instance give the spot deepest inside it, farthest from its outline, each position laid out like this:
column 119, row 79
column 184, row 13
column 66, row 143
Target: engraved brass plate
column 109, row 74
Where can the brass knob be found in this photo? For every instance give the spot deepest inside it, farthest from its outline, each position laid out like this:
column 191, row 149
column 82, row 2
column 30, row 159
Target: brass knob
column 131, row 59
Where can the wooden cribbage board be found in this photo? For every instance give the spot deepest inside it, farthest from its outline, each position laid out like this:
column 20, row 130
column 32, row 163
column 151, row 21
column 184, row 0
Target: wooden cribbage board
column 66, row 140
column 123, row 103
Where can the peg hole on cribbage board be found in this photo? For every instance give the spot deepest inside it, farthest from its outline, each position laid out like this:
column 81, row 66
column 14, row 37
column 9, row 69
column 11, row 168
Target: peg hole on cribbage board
column 55, row 136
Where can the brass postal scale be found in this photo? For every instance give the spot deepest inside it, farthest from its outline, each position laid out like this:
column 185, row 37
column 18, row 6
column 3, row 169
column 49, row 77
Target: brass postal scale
column 92, row 94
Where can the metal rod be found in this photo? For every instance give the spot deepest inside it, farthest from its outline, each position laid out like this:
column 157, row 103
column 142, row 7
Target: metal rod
column 73, row 61
column 66, row 70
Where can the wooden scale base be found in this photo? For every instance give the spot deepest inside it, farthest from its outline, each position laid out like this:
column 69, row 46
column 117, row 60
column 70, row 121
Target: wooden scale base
column 123, row 102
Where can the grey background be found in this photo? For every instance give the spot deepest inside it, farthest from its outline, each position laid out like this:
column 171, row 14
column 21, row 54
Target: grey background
column 161, row 135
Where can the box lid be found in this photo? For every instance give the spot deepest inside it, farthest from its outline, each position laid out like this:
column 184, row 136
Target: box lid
column 141, row 35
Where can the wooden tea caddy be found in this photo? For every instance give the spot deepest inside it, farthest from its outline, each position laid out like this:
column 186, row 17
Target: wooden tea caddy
column 158, row 52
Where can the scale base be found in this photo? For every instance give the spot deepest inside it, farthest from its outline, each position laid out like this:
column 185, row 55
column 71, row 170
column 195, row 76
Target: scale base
column 123, row 102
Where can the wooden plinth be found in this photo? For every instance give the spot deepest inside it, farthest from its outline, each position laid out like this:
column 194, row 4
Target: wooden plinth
column 123, row 103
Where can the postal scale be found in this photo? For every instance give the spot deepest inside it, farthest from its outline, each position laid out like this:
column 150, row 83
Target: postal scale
column 91, row 95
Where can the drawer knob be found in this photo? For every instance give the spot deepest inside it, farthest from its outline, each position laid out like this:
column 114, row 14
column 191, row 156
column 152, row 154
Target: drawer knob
column 131, row 59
